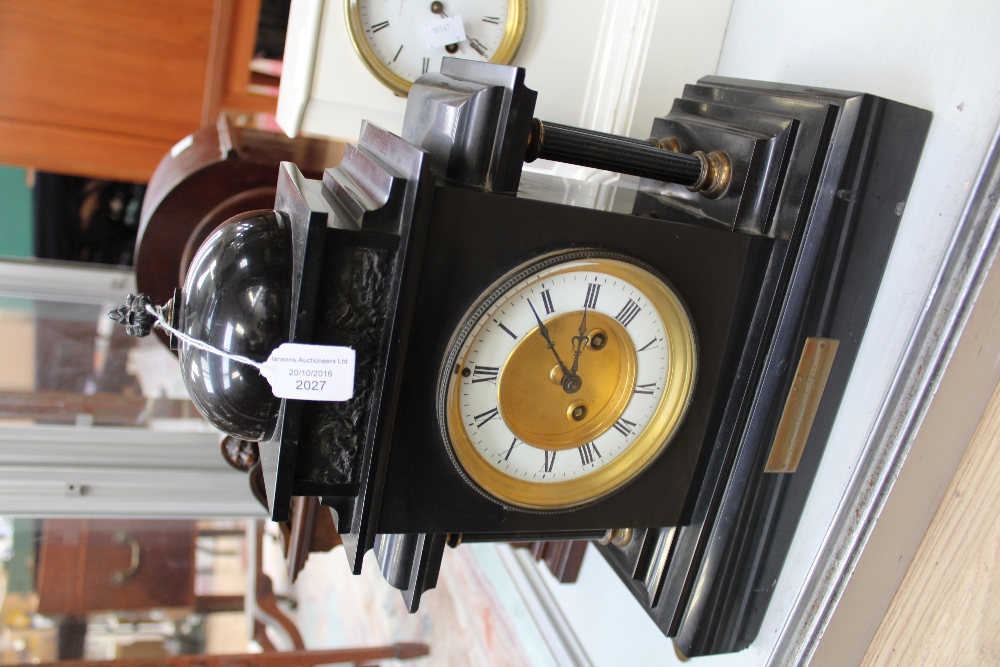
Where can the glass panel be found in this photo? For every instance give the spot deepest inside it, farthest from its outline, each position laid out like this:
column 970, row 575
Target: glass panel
column 75, row 366
column 106, row 589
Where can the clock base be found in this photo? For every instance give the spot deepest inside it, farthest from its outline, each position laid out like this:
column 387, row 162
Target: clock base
column 707, row 584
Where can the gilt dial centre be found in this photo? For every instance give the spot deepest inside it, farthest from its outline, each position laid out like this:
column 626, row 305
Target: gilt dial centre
column 534, row 408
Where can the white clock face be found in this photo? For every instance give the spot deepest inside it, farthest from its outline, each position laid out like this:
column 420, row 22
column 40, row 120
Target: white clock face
column 571, row 375
column 398, row 32
column 503, row 326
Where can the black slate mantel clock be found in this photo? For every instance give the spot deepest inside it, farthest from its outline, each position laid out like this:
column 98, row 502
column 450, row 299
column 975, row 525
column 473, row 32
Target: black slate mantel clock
column 657, row 368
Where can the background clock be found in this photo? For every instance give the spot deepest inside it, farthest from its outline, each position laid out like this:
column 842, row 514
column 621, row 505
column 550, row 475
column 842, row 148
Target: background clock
column 596, row 60
column 567, row 379
column 400, row 40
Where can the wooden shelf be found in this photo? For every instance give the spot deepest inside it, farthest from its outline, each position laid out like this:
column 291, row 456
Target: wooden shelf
column 104, row 89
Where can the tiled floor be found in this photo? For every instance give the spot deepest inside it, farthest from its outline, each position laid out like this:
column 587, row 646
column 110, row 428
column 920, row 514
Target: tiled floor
column 482, row 613
column 473, row 617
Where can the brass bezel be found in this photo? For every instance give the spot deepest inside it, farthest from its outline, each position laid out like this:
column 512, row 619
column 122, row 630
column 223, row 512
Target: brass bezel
column 517, row 20
column 669, row 414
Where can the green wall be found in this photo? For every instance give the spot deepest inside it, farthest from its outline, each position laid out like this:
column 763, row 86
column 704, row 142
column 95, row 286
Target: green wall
column 16, row 214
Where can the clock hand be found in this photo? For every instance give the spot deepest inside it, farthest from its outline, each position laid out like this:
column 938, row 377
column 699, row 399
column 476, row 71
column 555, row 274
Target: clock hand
column 544, row 330
column 579, row 342
column 478, row 46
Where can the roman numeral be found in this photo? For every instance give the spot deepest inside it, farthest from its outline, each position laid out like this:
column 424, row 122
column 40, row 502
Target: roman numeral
column 593, row 291
column 647, row 346
column 484, row 373
column 513, row 444
column 587, row 453
column 495, row 20
column 397, row 53
column 547, row 302
column 379, row 26
column 478, row 46
column 425, row 66
column 628, row 313
column 642, row 388
column 550, row 460
column 624, row 426
column 512, row 334
column 486, row 416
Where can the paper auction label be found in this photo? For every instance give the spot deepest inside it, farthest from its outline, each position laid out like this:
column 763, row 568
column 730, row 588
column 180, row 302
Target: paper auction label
column 444, row 31
column 311, row 372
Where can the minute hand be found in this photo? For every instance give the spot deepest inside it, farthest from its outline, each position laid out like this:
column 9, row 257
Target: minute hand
column 544, row 330
column 579, row 342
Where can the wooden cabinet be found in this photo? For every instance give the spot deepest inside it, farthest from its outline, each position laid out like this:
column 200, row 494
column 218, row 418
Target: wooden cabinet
column 104, row 565
column 104, row 88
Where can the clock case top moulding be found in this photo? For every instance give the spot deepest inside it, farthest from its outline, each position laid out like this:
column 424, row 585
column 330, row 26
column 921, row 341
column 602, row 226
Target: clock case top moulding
column 391, row 248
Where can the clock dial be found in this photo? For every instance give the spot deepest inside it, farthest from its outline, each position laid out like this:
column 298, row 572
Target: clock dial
column 400, row 40
column 567, row 380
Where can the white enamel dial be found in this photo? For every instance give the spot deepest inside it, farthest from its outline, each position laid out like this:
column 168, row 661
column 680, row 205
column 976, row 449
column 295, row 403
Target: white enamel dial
column 510, row 319
column 514, row 422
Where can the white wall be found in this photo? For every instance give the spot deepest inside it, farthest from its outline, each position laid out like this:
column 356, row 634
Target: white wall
column 940, row 56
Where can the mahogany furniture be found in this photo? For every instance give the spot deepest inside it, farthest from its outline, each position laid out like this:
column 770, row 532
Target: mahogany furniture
column 563, row 559
column 218, row 172
column 94, row 565
column 89, row 565
column 311, row 529
column 357, row 656
column 261, row 604
column 104, row 88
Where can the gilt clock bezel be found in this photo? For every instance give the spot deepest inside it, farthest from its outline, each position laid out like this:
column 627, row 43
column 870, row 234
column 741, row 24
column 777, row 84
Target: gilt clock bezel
column 514, row 29
column 640, row 454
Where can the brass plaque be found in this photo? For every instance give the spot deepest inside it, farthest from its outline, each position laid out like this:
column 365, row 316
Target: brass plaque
column 801, row 405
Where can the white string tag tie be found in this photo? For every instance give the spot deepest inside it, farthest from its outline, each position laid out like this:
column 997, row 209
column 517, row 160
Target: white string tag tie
column 294, row 370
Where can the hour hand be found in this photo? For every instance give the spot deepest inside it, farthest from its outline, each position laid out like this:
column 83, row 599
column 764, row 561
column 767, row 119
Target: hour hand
column 544, row 330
